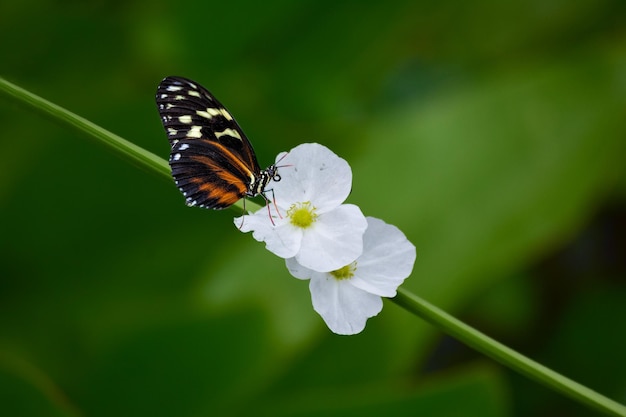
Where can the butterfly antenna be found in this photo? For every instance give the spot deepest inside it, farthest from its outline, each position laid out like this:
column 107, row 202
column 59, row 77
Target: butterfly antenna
column 281, row 158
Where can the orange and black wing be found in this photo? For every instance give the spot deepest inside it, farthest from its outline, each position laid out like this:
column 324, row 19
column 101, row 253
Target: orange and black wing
column 212, row 161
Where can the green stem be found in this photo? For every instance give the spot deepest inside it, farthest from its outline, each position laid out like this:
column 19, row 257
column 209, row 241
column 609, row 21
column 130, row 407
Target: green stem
column 506, row 355
column 121, row 146
column 128, row 150
column 410, row 302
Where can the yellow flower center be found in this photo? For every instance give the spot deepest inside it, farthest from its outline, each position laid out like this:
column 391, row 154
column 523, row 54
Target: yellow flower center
column 302, row 214
column 345, row 272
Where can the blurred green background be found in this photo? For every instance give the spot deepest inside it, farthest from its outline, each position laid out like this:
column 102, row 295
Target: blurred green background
column 492, row 133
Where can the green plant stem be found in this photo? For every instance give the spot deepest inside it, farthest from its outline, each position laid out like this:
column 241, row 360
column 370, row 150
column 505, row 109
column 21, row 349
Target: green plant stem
column 121, row 146
column 127, row 150
column 506, row 355
column 405, row 299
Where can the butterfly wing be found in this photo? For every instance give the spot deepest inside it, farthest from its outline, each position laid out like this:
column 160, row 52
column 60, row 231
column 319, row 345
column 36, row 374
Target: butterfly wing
column 212, row 161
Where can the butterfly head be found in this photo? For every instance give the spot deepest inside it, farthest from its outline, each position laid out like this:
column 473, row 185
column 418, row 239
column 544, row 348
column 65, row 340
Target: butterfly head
column 268, row 174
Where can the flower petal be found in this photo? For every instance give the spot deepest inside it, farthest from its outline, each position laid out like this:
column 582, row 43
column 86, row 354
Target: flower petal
column 282, row 238
column 387, row 259
column 334, row 240
column 297, row 270
column 312, row 172
column 344, row 308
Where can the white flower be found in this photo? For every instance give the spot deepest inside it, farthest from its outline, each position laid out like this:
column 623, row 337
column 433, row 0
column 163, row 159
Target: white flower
column 347, row 297
column 312, row 225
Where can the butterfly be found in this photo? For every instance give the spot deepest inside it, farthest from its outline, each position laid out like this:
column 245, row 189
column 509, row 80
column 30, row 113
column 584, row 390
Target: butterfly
column 213, row 163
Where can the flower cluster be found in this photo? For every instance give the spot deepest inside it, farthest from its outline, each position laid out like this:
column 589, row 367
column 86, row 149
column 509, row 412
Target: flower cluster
column 351, row 260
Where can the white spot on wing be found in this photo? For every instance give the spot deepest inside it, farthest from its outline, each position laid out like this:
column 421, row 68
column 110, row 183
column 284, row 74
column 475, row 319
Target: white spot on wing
column 195, row 132
column 228, row 132
column 186, row 119
column 204, row 114
column 171, row 131
column 210, row 112
column 226, row 115
column 184, row 147
column 193, row 93
column 174, row 88
column 176, row 157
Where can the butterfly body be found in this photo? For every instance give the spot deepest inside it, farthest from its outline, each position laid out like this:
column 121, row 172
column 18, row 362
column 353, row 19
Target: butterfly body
column 213, row 163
